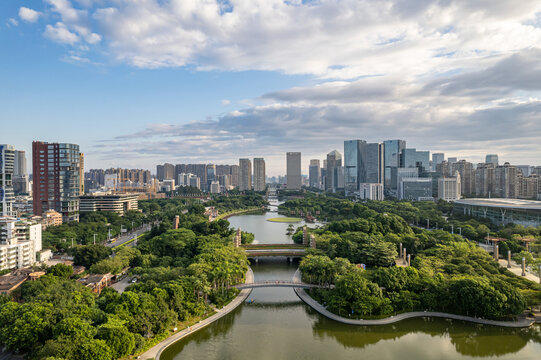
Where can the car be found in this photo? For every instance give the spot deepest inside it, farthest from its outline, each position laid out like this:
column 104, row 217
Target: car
column 134, row 280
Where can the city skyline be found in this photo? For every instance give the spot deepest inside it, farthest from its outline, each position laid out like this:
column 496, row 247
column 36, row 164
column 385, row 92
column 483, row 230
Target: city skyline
column 442, row 82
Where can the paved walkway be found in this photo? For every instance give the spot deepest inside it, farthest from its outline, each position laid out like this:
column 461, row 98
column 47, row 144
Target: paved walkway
column 320, row 309
column 517, row 270
column 155, row 351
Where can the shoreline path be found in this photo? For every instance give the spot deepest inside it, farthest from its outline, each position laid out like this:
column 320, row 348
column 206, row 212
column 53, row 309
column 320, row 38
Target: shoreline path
column 155, row 351
column 393, row 319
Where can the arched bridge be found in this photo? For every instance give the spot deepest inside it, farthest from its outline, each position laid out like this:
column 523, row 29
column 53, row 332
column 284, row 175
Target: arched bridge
column 277, row 283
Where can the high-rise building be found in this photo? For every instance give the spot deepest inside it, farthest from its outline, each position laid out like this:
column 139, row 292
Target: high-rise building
column 7, row 163
column 393, row 149
column 526, row 169
column 293, row 174
column 56, row 184
column 410, row 158
column 245, row 174
column 506, row 181
column 467, row 176
column 259, row 174
column 492, row 159
column 354, row 164
column 314, row 174
column 484, row 179
column 363, row 163
column 443, row 169
column 452, row 160
column 81, row 173
column 437, row 158
column 449, row 188
column 211, row 175
column 20, row 174
column 375, row 163
column 528, row 187
column 334, row 163
column 234, row 172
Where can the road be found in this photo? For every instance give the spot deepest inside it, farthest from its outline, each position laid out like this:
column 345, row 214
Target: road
column 122, row 284
column 128, row 236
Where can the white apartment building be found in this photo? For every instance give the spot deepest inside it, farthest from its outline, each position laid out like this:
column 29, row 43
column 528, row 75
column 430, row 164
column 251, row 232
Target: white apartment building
column 20, row 240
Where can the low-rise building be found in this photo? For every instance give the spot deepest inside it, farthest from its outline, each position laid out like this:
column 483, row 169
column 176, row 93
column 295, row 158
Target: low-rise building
column 119, row 203
column 502, row 211
column 415, row 189
column 20, row 240
column 96, row 282
column 51, row 218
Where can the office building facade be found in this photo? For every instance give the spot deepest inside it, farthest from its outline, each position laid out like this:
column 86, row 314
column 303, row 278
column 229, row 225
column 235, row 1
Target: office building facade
column 314, row 174
column 293, row 174
column 332, row 175
column 392, row 151
column 449, row 188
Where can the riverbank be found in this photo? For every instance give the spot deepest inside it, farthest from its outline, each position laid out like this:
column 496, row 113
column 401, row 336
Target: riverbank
column 393, row 319
column 236, row 212
column 156, row 351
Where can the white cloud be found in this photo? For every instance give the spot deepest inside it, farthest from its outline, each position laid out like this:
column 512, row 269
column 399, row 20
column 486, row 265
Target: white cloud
column 28, row 15
column 60, row 33
column 12, row 22
column 226, row 102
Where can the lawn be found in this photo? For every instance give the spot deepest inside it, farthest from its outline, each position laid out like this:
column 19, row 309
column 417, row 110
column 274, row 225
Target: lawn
column 285, row 219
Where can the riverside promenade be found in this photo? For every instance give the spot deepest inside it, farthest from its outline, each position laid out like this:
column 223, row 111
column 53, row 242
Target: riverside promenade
column 393, row 319
column 155, row 351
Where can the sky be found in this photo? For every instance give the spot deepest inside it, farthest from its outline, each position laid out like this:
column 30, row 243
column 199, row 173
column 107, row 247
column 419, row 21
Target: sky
column 141, row 82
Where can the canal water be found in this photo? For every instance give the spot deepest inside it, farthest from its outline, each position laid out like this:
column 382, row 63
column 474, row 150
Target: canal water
column 274, row 324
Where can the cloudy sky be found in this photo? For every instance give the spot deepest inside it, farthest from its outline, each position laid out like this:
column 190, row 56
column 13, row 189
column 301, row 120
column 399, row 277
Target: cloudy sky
column 141, row 82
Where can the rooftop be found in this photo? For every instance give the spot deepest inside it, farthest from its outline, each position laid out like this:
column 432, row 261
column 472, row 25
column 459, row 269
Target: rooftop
column 503, row 203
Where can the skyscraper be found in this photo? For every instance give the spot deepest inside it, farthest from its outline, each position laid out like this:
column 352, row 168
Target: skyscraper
column 412, row 158
column 314, row 174
column 56, row 186
column 245, row 174
column 392, row 149
column 20, row 173
column 437, row 158
column 259, row 174
column 293, row 174
column 334, row 163
column 375, row 163
column 354, row 164
column 7, row 160
column 492, row 159
column 211, row 175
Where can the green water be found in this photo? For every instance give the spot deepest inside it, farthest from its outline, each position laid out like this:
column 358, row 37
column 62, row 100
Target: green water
column 274, row 324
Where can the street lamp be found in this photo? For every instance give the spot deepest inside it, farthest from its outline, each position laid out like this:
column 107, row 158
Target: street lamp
column 428, row 224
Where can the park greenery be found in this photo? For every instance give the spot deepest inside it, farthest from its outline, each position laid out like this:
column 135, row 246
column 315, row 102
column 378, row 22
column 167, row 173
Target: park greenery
column 448, row 272
column 183, row 274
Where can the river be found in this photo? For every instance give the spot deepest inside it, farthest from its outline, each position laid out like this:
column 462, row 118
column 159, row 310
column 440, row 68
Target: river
column 275, row 324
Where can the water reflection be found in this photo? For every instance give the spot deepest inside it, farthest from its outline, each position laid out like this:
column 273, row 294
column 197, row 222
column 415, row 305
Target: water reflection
column 275, row 324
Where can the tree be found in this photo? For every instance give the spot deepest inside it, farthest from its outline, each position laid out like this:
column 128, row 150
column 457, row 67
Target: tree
column 61, row 270
column 87, row 255
column 117, row 337
column 94, row 350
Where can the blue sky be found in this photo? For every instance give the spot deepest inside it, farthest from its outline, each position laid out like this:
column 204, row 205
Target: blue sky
column 142, row 82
